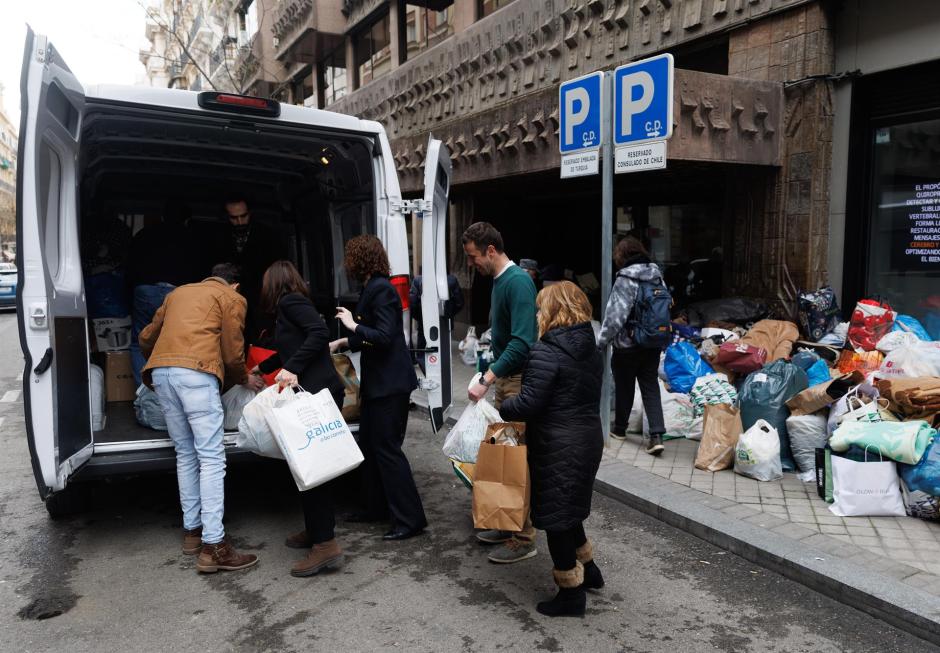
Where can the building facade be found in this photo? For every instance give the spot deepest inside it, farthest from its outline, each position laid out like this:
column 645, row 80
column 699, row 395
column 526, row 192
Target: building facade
column 8, row 149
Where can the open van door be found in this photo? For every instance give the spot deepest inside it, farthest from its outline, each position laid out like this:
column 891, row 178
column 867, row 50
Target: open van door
column 433, row 215
column 50, row 297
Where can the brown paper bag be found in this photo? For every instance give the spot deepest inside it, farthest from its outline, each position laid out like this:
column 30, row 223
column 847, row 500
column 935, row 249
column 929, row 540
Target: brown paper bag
column 501, row 487
column 505, row 433
column 351, row 400
column 722, row 427
column 817, row 397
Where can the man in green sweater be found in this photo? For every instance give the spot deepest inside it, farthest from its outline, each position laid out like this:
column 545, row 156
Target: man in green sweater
column 514, row 331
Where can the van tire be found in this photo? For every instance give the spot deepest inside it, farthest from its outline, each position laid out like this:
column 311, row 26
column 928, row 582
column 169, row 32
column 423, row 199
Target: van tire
column 65, row 503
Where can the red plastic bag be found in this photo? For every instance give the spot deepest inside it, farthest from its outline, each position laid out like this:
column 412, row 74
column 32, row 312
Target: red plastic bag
column 257, row 355
column 740, row 358
column 871, row 321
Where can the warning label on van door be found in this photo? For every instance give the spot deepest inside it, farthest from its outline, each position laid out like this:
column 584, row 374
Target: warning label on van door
column 636, row 158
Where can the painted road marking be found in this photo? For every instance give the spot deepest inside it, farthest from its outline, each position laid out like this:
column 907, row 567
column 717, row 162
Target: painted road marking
column 11, row 396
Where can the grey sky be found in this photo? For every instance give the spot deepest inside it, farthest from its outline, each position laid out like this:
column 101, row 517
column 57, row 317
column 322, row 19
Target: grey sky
column 99, row 39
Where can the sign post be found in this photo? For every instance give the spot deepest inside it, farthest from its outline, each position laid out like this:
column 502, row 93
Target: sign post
column 607, row 240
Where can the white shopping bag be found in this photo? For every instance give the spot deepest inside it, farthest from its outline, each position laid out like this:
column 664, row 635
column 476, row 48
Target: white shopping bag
column 868, row 489
column 313, row 436
column 233, row 404
column 254, row 434
column 463, row 442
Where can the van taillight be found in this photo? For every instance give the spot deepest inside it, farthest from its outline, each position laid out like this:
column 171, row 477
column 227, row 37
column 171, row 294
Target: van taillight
column 401, row 284
column 256, row 106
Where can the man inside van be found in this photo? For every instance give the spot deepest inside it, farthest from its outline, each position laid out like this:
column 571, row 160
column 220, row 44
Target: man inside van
column 514, row 331
column 195, row 347
column 253, row 248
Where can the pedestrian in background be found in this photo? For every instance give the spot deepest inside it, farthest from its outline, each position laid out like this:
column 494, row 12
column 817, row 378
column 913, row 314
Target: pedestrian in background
column 560, row 405
column 302, row 346
column 631, row 364
column 513, row 332
column 388, row 378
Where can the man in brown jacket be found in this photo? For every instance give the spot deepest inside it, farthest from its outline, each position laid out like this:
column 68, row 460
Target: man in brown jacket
column 194, row 346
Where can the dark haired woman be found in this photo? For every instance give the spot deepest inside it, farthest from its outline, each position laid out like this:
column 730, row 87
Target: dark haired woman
column 302, row 343
column 388, row 377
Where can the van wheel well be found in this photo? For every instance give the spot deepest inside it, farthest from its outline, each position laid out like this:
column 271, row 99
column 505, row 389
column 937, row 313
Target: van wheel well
column 65, row 503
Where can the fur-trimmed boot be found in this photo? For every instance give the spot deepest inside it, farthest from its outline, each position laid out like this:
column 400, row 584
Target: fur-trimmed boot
column 593, row 579
column 571, row 599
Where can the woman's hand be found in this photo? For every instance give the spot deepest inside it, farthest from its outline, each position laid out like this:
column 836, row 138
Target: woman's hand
column 336, row 345
column 344, row 316
column 286, row 379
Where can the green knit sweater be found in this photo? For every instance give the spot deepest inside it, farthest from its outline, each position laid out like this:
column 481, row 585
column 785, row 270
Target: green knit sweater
column 512, row 320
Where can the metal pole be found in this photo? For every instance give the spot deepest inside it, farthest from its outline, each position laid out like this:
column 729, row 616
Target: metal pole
column 607, row 229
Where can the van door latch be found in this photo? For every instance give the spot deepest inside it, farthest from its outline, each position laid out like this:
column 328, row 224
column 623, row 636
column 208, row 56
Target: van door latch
column 410, row 206
column 37, row 316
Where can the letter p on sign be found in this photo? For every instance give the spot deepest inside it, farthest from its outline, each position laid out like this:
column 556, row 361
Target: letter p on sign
column 577, row 103
column 632, row 103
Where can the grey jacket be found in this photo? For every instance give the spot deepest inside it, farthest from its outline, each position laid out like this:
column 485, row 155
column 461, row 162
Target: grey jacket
column 620, row 304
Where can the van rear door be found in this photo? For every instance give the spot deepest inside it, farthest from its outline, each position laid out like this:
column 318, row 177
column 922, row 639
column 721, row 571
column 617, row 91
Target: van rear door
column 434, row 291
column 50, row 296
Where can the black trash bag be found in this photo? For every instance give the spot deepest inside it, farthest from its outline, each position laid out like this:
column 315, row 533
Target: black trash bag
column 739, row 310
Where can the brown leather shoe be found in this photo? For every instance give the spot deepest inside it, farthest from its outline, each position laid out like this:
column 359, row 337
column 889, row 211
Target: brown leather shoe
column 298, row 541
column 192, row 541
column 224, row 557
column 322, row 556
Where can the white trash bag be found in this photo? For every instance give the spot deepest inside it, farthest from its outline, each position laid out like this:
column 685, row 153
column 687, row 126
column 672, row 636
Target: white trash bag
column 148, row 410
column 916, row 358
column 313, row 436
column 757, row 453
column 233, row 404
column 678, row 415
column 468, row 347
column 463, row 441
column 807, row 433
column 254, row 434
column 867, row 489
column 98, row 401
column 635, row 421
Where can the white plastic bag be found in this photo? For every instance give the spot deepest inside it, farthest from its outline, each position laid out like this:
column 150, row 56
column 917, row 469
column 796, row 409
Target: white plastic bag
column 896, row 339
column 313, row 436
column 148, row 410
column 254, row 434
column 96, row 381
column 868, row 489
column 911, row 359
column 468, row 347
column 463, row 441
column 233, row 403
column 635, row 421
column 757, row 453
column 678, row 415
column 807, row 433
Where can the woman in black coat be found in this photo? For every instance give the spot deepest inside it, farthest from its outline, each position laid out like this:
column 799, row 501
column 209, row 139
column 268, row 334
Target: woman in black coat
column 302, row 345
column 388, row 377
column 560, row 404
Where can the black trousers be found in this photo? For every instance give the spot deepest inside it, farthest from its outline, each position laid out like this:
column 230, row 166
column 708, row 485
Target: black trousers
column 388, row 484
column 563, row 546
column 629, row 367
column 317, row 504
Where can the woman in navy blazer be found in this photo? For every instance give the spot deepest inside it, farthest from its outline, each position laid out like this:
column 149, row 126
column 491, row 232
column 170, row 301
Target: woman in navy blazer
column 388, row 377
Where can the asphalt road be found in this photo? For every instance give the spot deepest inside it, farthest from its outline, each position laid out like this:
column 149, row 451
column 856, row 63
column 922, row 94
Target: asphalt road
column 113, row 578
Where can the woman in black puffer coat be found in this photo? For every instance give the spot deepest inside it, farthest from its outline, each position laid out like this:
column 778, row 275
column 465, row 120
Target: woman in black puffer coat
column 560, row 404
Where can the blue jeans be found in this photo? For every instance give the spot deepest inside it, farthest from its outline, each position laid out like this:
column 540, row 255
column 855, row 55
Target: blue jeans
column 147, row 300
column 193, row 410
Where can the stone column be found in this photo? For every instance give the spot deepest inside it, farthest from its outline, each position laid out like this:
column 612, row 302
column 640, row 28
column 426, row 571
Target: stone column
column 352, row 71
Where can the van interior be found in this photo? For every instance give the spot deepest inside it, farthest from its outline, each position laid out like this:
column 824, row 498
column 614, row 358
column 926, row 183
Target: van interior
column 313, row 187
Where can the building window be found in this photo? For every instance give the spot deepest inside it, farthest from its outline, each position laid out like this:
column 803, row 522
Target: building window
column 486, row 7
column 333, row 74
column 425, row 28
column 373, row 50
column 247, row 22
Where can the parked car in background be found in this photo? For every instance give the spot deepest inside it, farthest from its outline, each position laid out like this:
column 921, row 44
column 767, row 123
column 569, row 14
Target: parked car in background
column 8, row 277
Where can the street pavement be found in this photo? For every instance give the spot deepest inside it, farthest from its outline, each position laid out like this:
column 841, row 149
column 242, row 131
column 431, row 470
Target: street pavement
column 113, row 579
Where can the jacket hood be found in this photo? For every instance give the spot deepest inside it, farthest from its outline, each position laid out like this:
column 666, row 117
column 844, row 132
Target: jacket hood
column 577, row 341
column 642, row 272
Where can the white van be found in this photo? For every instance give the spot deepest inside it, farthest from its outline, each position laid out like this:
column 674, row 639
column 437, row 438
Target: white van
column 321, row 178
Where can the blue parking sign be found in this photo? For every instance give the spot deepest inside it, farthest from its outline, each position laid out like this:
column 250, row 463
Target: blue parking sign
column 579, row 103
column 643, row 100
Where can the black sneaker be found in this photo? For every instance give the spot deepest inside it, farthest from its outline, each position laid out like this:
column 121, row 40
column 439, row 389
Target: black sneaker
column 654, row 445
column 618, row 436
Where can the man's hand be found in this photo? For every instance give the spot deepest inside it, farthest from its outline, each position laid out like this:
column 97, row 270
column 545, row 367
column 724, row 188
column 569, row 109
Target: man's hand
column 286, row 379
column 336, row 345
column 344, row 316
column 477, row 391
column 254, row 383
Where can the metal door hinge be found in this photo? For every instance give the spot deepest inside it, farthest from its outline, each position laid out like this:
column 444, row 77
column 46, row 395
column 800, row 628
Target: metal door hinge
column 411, row 206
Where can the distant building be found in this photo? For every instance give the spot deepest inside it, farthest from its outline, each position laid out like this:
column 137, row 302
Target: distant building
column 8, row 144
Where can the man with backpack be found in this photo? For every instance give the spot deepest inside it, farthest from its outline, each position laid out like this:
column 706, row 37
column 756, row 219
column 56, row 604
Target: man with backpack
column 637, row 324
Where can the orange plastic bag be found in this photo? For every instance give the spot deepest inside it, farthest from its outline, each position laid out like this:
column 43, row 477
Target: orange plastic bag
column 864, row 362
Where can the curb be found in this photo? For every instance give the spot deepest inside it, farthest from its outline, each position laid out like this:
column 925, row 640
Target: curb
column 800, row 559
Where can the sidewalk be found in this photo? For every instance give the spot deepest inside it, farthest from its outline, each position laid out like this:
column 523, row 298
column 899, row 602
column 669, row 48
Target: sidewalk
column 885, row 566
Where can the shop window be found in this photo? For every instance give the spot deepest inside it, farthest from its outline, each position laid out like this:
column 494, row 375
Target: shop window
column 247, row 22
column 904, row 238
column 425, row 28
column 373, row 50
column 333, row 73
column 686, row 240
column 486, row 7
column 708, row 57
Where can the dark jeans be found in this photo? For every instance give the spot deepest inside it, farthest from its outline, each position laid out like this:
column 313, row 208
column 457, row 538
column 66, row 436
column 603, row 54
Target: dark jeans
column 629, row 367
column 147, row 300
column 563, row 546
column 317, row 504
column 388, row 484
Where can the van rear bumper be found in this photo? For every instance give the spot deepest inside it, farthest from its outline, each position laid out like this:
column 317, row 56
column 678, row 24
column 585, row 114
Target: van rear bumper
column 147, row 461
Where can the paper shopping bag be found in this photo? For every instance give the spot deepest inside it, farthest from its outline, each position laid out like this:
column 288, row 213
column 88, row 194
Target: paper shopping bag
column 501, row 487
column 313, row 436
column 721, row 431
column 351, row 398
column 865, row 489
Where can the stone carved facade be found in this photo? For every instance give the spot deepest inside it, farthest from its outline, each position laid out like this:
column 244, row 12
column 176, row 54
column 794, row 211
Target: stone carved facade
column 357, row 10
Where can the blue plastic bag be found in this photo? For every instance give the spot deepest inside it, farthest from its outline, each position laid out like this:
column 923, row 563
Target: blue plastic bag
column 683, row 366
column 106, row 295
column 925, row 475
column 818, row 373
column 911, row 324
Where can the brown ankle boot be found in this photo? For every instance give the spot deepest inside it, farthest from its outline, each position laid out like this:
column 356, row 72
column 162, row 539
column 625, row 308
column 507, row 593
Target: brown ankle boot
column 222, row 556
column 298, row 541
column 322, row 556
column 192, row 541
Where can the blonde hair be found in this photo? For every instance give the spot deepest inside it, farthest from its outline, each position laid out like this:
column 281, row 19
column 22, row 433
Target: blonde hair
column 560, row 305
